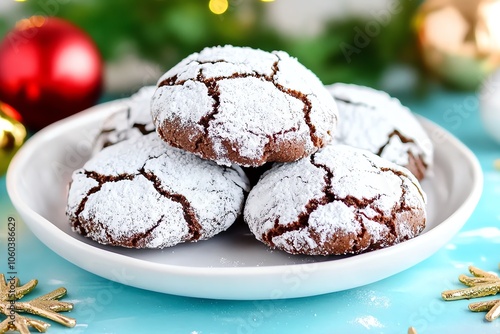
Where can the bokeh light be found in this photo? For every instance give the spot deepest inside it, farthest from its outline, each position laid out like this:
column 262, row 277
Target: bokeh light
column 218, row 6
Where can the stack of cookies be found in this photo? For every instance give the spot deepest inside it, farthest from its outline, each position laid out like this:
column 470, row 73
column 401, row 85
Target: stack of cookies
column 334, row 169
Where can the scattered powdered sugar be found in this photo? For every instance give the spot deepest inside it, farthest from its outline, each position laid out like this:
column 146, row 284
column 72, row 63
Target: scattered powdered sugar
column 369, row 322
column 326, row 190
column 132, row 121
column 143, row 188
column 245, row 97
column 369, row 119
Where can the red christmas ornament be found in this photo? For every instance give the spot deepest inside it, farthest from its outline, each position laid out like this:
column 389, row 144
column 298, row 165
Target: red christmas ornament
column 49, row 69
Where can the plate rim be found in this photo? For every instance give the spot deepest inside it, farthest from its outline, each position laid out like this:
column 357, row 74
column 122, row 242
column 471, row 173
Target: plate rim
column 465, row 209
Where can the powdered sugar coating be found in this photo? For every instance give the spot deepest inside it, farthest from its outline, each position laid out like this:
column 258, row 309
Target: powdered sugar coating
column 245, row 106
column 340, row 200
column 373, row 120
column 143, row 193
column 132, row 121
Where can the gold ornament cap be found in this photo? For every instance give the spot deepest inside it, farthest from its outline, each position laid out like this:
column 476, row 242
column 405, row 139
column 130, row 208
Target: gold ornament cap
column 12, row 135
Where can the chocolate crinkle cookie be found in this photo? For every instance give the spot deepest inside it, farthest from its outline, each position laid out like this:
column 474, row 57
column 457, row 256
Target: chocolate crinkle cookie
column 134, row 120
column 373, row 120
column 244, row 106
column 340, row 200
column 142, row 193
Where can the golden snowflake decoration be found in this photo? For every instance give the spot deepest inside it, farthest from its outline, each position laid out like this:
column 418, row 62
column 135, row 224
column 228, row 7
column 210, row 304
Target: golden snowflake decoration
column 45, row 306
column 480, row 284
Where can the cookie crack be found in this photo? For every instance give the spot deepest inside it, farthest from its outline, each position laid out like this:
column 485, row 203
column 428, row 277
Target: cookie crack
column 101, row 179
column 213, row 91
column 272, row 139
column 303, row 218
column 357, row 247
column 144, row 236
column 351, row 201
column 203, row 62
column 194, row 226
column 404, row 140
column 382, row 218
column 109, row 238
column 402, row 175
column 419, row 165
column 318, row 142
column 171, row 81
column 142, row 128
column 402, row 204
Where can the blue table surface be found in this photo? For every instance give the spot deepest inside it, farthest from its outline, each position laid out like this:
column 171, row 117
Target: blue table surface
column 410, row 298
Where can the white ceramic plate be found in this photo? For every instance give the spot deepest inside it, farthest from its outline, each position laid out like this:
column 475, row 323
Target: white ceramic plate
column 233, row 265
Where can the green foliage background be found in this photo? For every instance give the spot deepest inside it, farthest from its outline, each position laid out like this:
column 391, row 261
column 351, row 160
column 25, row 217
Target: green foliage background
column 165, row 31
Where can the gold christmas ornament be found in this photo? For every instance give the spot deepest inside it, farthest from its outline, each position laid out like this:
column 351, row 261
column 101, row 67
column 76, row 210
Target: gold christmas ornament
column 460, row 39
column 12, row 136
column 45, row 306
